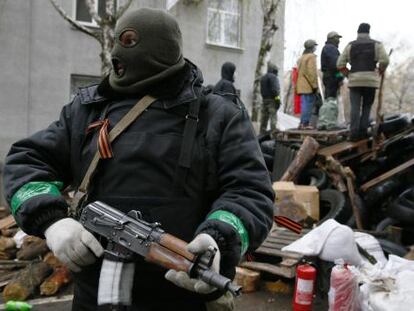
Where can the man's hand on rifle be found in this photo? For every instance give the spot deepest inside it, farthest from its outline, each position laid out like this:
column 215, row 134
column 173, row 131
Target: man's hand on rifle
column 199, row 245
column 72, row 244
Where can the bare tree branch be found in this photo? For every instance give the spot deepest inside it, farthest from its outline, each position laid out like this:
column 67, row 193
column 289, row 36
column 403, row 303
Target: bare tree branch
column 269, row 29
column 74, row 23
column 91, row 4
column 122, row 9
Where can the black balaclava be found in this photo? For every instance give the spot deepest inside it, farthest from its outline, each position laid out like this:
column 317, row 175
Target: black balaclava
column 272, row 68
column 227, row 71
column 334, row 41
column 364, row 28
column 147, row 50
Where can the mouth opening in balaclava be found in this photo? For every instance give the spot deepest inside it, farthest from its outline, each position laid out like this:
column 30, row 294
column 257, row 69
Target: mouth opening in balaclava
column 119, row 68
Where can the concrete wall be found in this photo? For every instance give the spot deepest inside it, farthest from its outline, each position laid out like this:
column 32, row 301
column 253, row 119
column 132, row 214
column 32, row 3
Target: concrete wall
column 40, row 50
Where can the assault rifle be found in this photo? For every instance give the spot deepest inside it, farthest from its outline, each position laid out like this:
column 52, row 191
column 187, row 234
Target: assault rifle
column 128, row 235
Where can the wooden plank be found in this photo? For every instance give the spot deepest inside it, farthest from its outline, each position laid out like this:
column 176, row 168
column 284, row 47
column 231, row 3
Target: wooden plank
column 288, row 236
column 13, row 264
column 287, row 241
column 387, row 175
column 275, row 252
column 287, row 271
column 341, row 147
column 273, row 244
column 7, row 222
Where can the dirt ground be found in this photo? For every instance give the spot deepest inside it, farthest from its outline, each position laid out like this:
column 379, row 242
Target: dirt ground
column 258, row 301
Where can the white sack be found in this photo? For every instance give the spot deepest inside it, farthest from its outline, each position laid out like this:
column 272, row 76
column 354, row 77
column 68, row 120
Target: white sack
column 390, row 288
column 330, row 241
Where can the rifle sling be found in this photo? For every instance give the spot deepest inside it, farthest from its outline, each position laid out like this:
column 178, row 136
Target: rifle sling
column 130, row 117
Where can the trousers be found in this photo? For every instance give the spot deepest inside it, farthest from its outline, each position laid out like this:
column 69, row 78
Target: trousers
column 362, row 99
column 269, row 111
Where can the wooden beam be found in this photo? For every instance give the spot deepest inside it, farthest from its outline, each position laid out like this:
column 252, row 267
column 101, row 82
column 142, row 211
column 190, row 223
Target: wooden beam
column 387, row 175
column 287, row 268
column 342, row 147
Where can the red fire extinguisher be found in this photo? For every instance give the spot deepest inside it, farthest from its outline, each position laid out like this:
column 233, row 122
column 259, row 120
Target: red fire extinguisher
column 304, row 287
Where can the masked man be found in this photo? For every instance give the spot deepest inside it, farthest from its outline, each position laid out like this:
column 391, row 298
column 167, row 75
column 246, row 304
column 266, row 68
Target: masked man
column 190, row 161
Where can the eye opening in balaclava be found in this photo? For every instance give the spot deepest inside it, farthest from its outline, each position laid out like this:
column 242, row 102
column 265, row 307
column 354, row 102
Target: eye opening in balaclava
column 128, row 38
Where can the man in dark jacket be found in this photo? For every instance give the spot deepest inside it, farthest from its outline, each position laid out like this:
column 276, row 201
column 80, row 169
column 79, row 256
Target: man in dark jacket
column 331, row 75
column 225, row 85
column 210, row 190
column 270, row 91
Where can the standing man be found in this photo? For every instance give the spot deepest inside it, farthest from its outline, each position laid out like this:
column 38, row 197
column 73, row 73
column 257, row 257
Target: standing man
column 332, row 77
column 225, row 85
column 307, row 83
column 270, row 90
column 368, row 60
column 191, row 161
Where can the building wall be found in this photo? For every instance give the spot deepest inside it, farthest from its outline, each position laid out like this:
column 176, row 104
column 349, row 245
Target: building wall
column 40, row 50
column 193, row 22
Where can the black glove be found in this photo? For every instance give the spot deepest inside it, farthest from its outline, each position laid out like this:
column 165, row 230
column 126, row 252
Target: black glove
column 229, row 244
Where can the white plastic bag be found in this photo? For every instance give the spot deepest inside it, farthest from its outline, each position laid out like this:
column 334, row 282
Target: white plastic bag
column 371, row 245
column 330, row 241
column 388, row 288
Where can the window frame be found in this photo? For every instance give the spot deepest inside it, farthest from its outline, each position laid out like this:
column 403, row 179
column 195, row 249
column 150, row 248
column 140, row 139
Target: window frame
column 88, row 24
column 222, row 14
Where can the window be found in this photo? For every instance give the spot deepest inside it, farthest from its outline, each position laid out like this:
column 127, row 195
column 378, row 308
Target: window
column 77, row 81
column 82, row 13
column 224, row 25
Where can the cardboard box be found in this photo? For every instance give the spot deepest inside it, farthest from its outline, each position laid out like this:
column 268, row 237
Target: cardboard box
column 300, row 198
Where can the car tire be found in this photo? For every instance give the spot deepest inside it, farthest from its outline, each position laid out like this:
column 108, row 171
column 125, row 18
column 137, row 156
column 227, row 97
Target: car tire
column 402, row 208
column 263, row 137
column 333, row 205
column 394, row 123
column 385, row 223
column 392, row 248
column 268, row 147
column 314, row 177
column 377, row 194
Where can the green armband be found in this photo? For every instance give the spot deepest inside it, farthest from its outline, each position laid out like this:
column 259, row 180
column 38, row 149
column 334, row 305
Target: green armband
column 33, row 189
column 236, row 223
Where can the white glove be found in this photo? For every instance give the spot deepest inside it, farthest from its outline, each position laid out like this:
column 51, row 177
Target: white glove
column 199, row 245
column 72, row 244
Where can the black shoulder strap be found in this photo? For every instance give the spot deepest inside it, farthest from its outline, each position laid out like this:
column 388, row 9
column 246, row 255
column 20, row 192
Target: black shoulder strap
column 187, row 144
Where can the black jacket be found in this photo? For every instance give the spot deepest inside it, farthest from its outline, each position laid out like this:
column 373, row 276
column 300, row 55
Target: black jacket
column 269, row 85
column 329, row 56
column 225, row 85
column 227, row 168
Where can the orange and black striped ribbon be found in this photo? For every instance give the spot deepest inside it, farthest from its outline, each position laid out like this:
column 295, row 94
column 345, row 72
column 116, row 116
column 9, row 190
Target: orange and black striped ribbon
column 249, row 257
column 104, row 145
column 288, row 223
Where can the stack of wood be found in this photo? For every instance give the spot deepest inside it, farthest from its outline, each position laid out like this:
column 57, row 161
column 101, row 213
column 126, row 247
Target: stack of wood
column 27, row 267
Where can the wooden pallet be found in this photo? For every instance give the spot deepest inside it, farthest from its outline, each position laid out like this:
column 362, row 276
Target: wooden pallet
column 272, row 246
column 347, row 150
column 327, row 137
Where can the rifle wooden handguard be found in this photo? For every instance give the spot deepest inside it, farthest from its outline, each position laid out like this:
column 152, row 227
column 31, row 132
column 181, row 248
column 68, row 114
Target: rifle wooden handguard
column 166, row 258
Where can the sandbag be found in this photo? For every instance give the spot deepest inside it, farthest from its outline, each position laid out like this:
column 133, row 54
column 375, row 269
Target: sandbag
column 328, row 114
column 330, row 241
